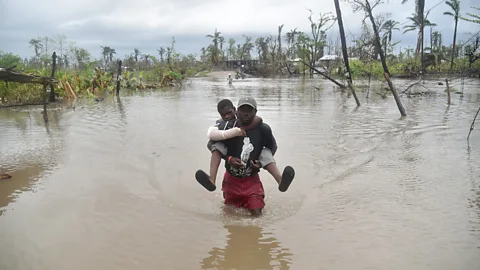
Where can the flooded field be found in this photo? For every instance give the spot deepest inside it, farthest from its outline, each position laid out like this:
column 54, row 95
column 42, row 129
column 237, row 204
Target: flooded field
column 110, row 185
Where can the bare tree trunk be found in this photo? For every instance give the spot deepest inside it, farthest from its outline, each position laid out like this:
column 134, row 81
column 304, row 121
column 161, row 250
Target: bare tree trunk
column 384, row 63
column 453, row 46
column 421, row 9
column 344, row 50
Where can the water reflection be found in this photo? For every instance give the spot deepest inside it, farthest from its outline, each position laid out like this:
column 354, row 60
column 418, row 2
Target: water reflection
column 29, row 148
column 21, row 181
column 248, row 247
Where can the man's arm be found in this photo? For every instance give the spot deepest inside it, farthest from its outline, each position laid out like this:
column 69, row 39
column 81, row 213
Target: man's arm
column 257, row 120
column 270, row 141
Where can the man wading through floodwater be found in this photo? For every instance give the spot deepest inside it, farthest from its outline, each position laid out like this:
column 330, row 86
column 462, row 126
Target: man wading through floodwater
column 241, row 184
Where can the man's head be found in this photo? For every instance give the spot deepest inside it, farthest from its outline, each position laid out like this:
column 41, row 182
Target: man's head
column 226, row 109
column 247, row 109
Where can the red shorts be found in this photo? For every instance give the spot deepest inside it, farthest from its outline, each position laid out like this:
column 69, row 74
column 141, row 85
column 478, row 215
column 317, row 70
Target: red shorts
column 243, row 192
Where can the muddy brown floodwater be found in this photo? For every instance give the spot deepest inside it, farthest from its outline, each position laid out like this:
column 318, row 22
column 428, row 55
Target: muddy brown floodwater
column 111, row 185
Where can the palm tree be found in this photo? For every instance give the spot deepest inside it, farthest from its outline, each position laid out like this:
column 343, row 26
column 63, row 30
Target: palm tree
column 221, row 40
column 37, row 45
column 419, row 11
column 111, row 53
column 161, row 52
column 475, row 18
column 136, row 53
column 388, row 27
column 455, row 6
column 105, row 52
column 437, row 40
column 231, row 48
column 214, row 50
column 146, row 57
column 247, row 47
column 290, row 38
column 416, row 23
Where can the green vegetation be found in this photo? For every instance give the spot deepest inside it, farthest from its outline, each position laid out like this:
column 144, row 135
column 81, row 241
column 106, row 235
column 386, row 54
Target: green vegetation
column 93, row 78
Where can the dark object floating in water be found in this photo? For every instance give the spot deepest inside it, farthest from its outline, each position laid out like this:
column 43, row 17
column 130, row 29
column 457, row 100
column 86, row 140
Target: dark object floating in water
column 5, row 176
column 440, row 83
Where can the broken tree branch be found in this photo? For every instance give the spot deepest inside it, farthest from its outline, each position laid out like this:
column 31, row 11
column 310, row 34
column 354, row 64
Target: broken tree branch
column 8, row 75
column 473, row 125
column 325, row 75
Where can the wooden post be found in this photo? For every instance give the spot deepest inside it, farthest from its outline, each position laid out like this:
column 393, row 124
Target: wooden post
column 448, row 92
column 45, row 115
column 3, row 97
column 54, row 66
column 118, row 76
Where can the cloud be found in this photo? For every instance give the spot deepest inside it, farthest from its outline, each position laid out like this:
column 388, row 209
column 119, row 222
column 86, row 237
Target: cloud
column 149, row 24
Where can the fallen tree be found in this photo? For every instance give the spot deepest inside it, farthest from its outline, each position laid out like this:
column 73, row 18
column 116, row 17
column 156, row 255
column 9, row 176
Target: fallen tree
column 8, row 75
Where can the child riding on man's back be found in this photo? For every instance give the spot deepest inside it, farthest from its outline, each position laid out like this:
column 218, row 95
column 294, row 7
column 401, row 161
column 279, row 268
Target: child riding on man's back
column 226, row 128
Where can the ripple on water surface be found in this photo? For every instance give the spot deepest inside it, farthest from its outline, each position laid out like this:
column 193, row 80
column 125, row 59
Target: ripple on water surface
column 372, row 190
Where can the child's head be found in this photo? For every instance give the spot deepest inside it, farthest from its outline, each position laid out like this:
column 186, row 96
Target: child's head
column 226, row 109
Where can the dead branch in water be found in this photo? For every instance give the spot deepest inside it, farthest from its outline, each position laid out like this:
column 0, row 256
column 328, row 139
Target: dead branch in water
column 5, row 176
column 473, row 124
column 414, row 84
column 325, row 75
column 20, row 105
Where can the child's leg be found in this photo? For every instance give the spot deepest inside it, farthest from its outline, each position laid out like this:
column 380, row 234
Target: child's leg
column 268, row 163
column 218, row 149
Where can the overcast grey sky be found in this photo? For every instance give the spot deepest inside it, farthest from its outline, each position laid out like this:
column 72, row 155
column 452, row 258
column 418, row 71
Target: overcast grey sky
column 149, row 24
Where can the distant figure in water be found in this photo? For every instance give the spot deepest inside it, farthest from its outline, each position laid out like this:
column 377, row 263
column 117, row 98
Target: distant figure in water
column 230, row 79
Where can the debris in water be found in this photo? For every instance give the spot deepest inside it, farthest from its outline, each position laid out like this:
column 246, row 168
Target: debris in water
column 5, row 176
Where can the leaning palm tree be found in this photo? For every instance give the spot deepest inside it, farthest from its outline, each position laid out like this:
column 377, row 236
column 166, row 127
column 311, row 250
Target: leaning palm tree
column 455, row 6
